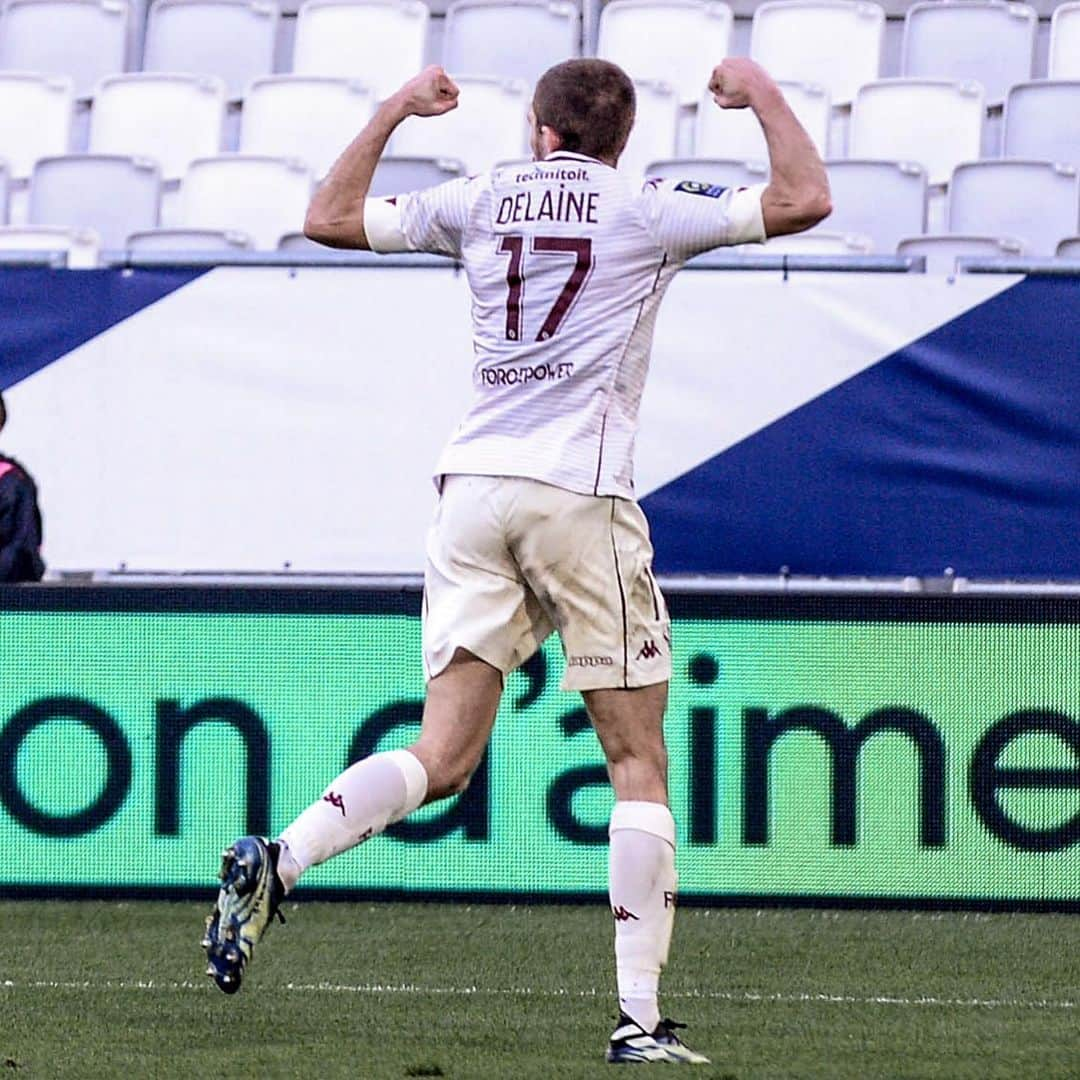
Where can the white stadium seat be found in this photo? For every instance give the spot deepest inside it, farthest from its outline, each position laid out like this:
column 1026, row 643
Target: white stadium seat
column 263, row 196
column 655, row 131
column 833, row 43
column 510, row 39
column 379, row 42
column 1042, row 121
column 487, row 126
column 1069, row 248
column 396, row 175
column 1035, row 202
column 816, row 243
column 81, row 246
column 231, row 39
column 991, row 42
column 83, row 40
column 725, row 173
column 736, row 133
column 170, row 118
column 189, row 240
column 677, row 42
column 942, row 250
column 933, row 122
column 1064, row 59
column 35, row 119
column 885, row 200
column 307, row 117
column 111, row 194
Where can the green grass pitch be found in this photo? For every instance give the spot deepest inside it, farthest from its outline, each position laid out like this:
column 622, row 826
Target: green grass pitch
column 398, row 990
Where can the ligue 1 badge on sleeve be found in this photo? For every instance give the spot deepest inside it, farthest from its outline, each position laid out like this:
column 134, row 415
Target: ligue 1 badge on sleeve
column 699, row 187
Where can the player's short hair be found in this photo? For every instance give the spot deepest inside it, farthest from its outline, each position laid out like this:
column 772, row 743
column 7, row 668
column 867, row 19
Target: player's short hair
column 589, row 103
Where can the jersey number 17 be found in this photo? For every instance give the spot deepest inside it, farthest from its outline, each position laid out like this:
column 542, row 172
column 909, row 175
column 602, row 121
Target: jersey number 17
column 514, row 245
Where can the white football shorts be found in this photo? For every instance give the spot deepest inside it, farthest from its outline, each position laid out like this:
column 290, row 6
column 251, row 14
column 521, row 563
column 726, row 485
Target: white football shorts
column 511, row 559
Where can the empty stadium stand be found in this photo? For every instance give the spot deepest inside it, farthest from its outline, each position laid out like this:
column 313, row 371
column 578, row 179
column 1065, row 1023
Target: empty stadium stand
column 172, row 119
column 943, row 251
column 656, row 128
column 35, row 119
column 231, row 39
column 380, row 42
column 305, row 116
column 80, row 40
column 991, row 42
column 670, row 42
column 262, row 196
column 487, row 126
column 510, row 39
column 936, row 117
column 111, row 193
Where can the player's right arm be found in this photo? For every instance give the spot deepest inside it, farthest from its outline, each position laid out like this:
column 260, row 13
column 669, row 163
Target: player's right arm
column 686, row 217
column 797, row 194
column 336, row 214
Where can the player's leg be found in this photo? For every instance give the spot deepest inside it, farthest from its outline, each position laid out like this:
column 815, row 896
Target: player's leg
column 471, row 600
column 479, row 623
column 641, row 855
column 641, row 869
column 591, row 559
column 360, row 803
column 378, row 791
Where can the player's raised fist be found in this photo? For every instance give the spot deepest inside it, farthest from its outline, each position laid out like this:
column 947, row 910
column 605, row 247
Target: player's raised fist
column 737, row 81
column 431, row 93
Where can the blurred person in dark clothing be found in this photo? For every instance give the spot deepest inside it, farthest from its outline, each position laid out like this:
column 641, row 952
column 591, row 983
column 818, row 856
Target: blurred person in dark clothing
column 20, row 520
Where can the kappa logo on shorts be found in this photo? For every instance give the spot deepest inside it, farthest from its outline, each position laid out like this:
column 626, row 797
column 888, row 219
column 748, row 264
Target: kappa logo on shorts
column 335, row 800
column 589, row 661
column 623, row 915
column 649, row 651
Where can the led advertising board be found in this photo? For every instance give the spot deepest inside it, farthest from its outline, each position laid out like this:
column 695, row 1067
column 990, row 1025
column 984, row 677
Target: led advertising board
column 823, row 749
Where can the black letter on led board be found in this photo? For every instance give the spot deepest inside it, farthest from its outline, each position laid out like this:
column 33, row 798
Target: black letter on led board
column 704, row 671
column 560, row 797
column 117, row 778
column 987, row 778
column 173, row 725
column 844, row 743
column 469, row 811
column 535, row 673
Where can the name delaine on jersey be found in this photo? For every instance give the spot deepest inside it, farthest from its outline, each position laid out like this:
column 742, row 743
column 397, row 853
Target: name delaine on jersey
column 577, row 207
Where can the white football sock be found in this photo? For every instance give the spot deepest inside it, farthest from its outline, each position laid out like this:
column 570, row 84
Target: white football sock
column 356, row 806
column 641, row 884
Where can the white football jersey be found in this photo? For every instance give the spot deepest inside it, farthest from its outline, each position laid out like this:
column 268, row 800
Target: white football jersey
column 567, row 265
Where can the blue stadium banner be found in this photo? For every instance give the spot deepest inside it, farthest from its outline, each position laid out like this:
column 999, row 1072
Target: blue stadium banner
column 841, row 424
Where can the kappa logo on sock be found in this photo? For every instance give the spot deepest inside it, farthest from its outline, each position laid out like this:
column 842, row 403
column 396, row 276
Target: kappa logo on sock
column 669, row 899
column 623, row 915
column 335, row 800
column 649, row 651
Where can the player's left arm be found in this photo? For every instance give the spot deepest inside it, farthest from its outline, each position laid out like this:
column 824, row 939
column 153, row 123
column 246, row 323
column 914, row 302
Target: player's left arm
column 336, row 214
column 797, row 194
column 687, row 216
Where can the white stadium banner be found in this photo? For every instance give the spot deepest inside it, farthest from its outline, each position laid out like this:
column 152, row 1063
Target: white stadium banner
column 263, row 418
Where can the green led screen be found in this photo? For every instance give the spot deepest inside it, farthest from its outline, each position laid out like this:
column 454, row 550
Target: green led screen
column 818, row 750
